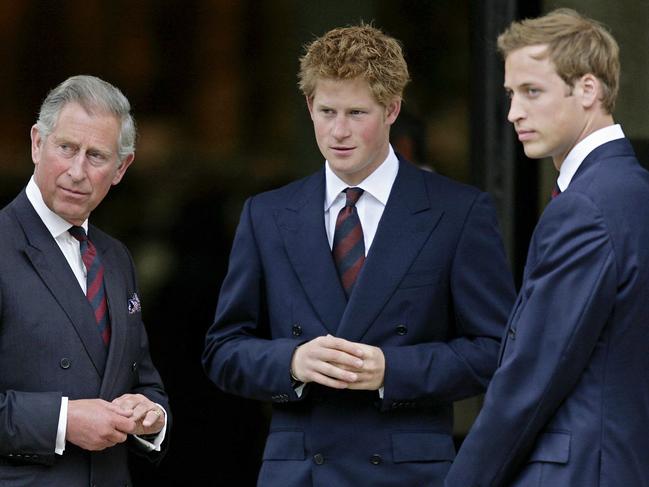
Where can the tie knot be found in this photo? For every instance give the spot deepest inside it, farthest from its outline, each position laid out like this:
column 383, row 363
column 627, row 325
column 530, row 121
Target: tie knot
column 78, row 232
column 352, row 194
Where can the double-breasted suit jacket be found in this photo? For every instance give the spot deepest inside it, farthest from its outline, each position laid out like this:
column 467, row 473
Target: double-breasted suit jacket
column 569, row 403
column 433, row 294
column 50, row 347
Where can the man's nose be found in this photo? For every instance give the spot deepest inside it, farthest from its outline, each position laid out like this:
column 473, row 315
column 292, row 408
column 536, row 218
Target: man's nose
column 77, row 169
column 516, row 111
column 341, row 127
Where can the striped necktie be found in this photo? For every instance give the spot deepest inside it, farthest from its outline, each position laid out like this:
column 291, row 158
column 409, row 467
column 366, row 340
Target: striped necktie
column 349, row 245
column 95, row 289
column 556, row 191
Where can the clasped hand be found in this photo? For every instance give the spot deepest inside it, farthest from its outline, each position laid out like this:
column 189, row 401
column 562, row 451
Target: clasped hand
column 95, row 424
column 338, row 363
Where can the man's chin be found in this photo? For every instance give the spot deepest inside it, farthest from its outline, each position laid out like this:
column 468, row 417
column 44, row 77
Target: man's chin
column 531, row 153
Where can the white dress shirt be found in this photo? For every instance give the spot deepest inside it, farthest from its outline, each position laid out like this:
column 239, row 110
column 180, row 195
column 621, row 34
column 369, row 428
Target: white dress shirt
column 579, row 152
column 376, row 190
column 71, row 249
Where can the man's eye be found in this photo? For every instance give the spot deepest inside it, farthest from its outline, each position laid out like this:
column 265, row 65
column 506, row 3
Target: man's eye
column 97, row 158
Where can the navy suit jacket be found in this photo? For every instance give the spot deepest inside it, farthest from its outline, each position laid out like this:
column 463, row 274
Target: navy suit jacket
column 433, row 294
column 569, row 403
column 50, row 347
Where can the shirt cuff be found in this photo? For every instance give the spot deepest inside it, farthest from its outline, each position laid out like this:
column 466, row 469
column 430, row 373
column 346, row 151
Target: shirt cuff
column 154, row 445
column 299, row 389
column 59, row 448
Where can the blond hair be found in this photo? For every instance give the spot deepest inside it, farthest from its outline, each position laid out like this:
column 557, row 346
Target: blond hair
column 576, row 44
column 361, row 51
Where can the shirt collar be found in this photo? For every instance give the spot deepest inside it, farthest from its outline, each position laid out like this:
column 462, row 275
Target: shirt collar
column 54, row 223
column 579, row 152
column 378, row 184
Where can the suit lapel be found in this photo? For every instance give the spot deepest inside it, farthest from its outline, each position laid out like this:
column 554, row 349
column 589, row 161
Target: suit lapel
column 301, row 225
column 406, row 224
column 50, row 264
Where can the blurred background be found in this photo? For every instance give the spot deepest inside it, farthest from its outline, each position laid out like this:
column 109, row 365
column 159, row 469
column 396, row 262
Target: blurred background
column 213, row 89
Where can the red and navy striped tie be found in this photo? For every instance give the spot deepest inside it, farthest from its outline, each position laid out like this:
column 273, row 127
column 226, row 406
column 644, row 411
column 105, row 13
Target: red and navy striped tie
column 95, row 290
column 349, row 245
column 556, row 191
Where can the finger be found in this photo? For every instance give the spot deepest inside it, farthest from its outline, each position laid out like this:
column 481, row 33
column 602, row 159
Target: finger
column 119, row 409
column 124, row 425
column 342, row 345
column 129, row 401
column 342, row 358
column 152, row 417
column 141, row 410
column 329, row 370
column 329, row 382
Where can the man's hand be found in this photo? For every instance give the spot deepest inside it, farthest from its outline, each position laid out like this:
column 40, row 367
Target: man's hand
column 370, row 376
column 95, row 424
column 338, row 363
column 149, row 418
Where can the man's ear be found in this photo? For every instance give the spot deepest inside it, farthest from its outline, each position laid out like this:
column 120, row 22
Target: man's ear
column 590, row 89
column 121, row 169
column 309, row 104
column 36, row 144
column 392, row 111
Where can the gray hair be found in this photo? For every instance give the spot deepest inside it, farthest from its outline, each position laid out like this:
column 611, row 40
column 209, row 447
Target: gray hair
column 93, row 94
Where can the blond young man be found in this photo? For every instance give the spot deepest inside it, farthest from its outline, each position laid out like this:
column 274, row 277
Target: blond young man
column 569, row 403
column 364, row 299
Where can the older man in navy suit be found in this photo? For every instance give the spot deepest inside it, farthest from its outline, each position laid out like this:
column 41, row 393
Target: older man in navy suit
column 77, row 385
column 569, row 403
column 364, row 299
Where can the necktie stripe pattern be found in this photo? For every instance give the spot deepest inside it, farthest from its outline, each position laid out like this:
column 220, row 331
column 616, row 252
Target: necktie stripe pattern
column 349, row 246
column 95, row 291
column 556, row 191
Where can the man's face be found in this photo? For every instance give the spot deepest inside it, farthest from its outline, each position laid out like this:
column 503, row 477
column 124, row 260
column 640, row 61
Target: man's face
column 78, row 162
column 546, row 112
column 352, row 129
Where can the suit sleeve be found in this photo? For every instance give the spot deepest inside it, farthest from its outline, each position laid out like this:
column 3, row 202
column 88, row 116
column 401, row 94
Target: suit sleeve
column 239, row 356
column 567, row 296
column 481, row 294
column 29, row 424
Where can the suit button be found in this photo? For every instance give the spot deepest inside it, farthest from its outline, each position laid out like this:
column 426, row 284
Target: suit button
column 134, row 366
column 375, row 459
column 402, row 330
column 65, row 363
column 512, row 333
column 296, row 330
column 318, row 458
